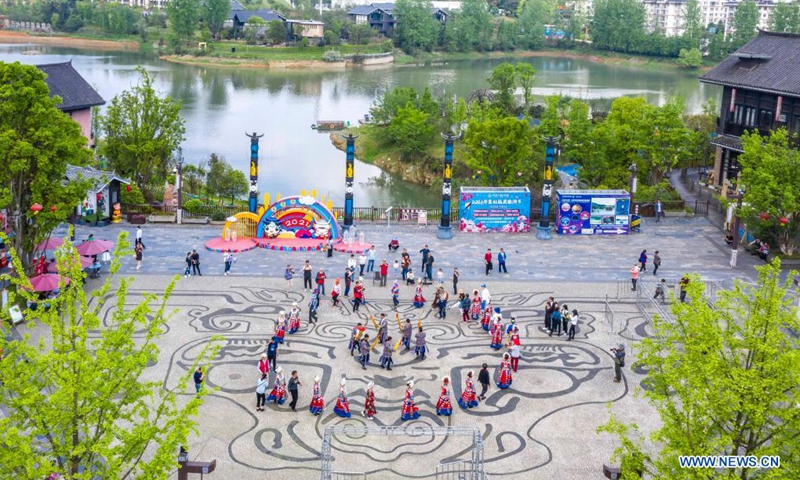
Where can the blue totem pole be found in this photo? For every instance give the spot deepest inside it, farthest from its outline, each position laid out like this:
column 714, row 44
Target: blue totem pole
column 253, row 201
column 445, row 230
column 543, row 230
column 348, row 181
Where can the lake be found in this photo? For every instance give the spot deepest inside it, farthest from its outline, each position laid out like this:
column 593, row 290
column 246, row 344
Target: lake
column 221, row 104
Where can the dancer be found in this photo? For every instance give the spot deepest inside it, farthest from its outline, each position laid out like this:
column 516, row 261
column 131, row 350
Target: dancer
column 313, row 304
column 410, row 410
column 278, row 393
column 395, row 294
column 336, row 291
column 486, row 319
column 421, row 347
column 468, row 398
column 443, row 406
column 504, row 381
column 386, row 358
column 475, row 309
column 497, row 333
column 407, row 329
column 363, row 348
column 383, row 328
column 317, row 402
column 294, row 319
column 280, row 327
column 419, row 300
column 369, row 402
column 358, row 295
column 342, row 407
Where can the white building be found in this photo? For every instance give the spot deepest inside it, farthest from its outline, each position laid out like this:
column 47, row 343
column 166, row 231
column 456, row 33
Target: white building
column 665, row 16
column 764, row 12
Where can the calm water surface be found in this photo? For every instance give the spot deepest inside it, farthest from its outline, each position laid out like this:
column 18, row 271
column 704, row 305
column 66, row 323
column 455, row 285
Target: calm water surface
column 220, row 105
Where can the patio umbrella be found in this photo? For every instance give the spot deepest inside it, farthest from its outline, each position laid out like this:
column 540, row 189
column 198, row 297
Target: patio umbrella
column 46, row 282
column 52, row 267
column 50, row 244
column 94, row 247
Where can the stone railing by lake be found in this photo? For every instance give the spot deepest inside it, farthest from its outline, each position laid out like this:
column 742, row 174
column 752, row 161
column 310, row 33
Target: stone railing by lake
column 7, row 24
column 369, row 58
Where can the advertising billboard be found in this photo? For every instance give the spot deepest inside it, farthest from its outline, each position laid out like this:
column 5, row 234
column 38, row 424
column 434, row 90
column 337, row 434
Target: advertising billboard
column 593, row 212
column 495, row 209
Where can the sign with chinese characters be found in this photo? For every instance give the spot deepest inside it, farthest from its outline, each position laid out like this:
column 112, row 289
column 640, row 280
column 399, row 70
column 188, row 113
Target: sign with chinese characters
column 488, row 209
column 593, row 212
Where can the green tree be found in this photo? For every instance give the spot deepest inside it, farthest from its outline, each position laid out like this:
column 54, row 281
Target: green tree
column 502, row 80
column 526, row 77
column 215, row 14
column 416, row 28
column 385, row 108
column 506, row 35
column 215, row 175
column 785, row 18
column 470, row 28
column 233, row 183
column 500, row 151
column 745, row 22
column 276, row 32
column 37, row 142
column 428, row 104
column 411, row 131
column 531, row 22
column 76, row 402
column 183, row 16
column 721, row 377
column 253, row 29
column 771, row 178
column 692, row 24
column 194, row 177
column 359, row 33
column 577, row 146
column 142, row 130
column 690, row 58
column 618, row 25
column 717, row 47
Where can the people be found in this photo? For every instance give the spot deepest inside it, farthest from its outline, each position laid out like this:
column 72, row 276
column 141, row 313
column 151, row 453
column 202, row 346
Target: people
column 443, row 405
column 317, row 401
column 419, row 299
column 468, row 398
column 763, row 251
column 504, row 380
column 369, row 402
column 394, row 244
column 278, row 394
column 410, row 277
column 410, row 410
column 729, row 239
column 497, row 333
column 342, row 407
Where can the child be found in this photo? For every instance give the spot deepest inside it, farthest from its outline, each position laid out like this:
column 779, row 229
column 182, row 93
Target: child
column 395, row 293
column 396, row 267
column 439, row 276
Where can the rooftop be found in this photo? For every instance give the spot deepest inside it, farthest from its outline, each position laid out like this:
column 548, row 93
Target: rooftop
column 74, row 91
column 362, row 10
column 99, row 178
column 266, row 15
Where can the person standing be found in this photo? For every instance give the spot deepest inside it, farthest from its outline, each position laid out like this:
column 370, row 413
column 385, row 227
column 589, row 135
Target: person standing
column 487, row 260
column 313, row 304
column 659, row 210
column 484, row 379
column 421, row 345
column 188, row 261
column 196, row 263
column 362, row 262
column 661, row 291
column 138, row 240
column 395, row 294
column 288, row 274
column 384, row 269
column 396, row 269
column 429, row 266
column 486, row 297
column 371, row 259
column 336, row 291
column 278, row 393
column 139, row 254
column 634, row 276
column 656, row 262
column 199, row 378
column 455, row 280
column 348, row 281
column 294, row 382
column 321, row 281
column 317, row 400
column 330, row 248
column 405, row 261
column 619, row 362
column 342, row 407
column 573, row 324
column 263, row 364
column 228, row 258
column 548, row 312
column 442, row 302
column 440, row 278
column 443, row 405
column 363, row 349
column 351, row 263
column 407, row 329
column 272, row 352
column 464, row 304
column 505, row 378
column 410, row 410
column 555, row 321
column 683, row 284
column 358, row 295
column 468, row 398
column 369, row 402
column 386, row 358
column 419, row 298
column 643, row 261
column 475, row 308
column 261, row 392
column 501, row 262
column 425, row 251
column 307, row 276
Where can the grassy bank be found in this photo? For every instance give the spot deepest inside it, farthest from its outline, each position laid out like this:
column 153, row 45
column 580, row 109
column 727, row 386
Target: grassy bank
column 128, row 43
column 238, row 54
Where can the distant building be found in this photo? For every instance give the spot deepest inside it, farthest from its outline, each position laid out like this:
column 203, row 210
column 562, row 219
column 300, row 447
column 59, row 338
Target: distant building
column 665, row 16
column 104, row 190
column 313, row 30
column 380, row 16
column 77, row 96
column 760, row 91
column 240, row 18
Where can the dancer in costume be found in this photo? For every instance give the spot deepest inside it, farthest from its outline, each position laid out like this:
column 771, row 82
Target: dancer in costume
column 504, row 381
column 278, row 393
column 512, row 324
column 497, row 333
column 369, row 402
column 294, row 318
column 342, row 407
column 383, row 328
column 395, row 294
column 419, row 299
column 468, row 398
column 407, row 329
column 280, row 327
column 317, row 402
column 410, row 410
column 487, row 318
column 421, row 345
column 443, row 406
column 355, row 337
column 386, row 358
column 475, row 309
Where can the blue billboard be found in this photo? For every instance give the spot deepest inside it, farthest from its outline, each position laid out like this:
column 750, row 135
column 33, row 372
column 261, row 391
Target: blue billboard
column 593, row 212
column 495, row 209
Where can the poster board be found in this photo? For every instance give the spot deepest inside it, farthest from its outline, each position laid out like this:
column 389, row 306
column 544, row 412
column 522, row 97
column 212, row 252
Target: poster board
column 494, row 209
column 593, row 212
column 422, row 218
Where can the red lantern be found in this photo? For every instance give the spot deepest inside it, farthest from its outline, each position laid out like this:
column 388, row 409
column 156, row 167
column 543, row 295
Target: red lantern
column 36, row 208
column 53, row 208
column 763, row 215
column 128, row 188
column 783, row 221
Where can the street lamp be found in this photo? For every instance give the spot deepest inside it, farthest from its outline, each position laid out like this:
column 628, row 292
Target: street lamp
column 735, row 243
column 179, row 184
column 551, row 150
column 632, row 187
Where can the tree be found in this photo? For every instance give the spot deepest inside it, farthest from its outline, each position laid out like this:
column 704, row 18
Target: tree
column 470, row 27
column 183, row 16
column 142, row 130
column 785, row 18
column 193, row 177
column 215, row 175
column 771, row 177
column 618, row 25
column 75, row 402
column 37, row 142
column 411, row 131
column 233, row 183
column 416, row 28
column 215, row 14
column 359, row 33
column 690, row 58
column 385, row 108
column 502, row 80
column 532, row 20
column 745, row 22
column 576, row 145
column 717, row 47
column 692, row 24
column 500, row 152
column 721, row 379
column 276, row 32
column 525, row 74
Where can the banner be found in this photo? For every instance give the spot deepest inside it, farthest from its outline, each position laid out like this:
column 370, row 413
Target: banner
column 487, row 209
column 593, row 212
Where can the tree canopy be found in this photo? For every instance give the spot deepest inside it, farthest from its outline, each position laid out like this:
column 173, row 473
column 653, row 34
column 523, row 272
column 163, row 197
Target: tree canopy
column 745, row 22
column 609, row 32
column 183, row 16
column 500, row 151
column 416, row 28
column 215, row 13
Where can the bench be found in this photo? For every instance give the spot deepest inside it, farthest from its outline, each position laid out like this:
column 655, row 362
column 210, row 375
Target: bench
column 161, row 218
column 196, row 221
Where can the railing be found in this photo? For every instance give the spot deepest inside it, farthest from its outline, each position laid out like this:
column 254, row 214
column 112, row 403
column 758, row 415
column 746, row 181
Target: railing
column 378, row 214
column 648, row 209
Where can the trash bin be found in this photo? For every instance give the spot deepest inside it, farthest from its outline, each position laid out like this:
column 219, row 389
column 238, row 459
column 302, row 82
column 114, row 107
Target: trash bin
column 233, row 49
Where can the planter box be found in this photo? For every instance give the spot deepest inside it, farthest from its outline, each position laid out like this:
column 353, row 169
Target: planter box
column 196, row 221
column 161, row 219
column 137, row 219
column 218, row 222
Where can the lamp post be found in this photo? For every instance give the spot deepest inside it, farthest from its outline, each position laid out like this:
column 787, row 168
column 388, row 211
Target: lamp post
column 632, row 188
column 348, row 181
column 253, row 200
column 735, row 243
column 179, row 184
column 445, row 230
column 551, row 150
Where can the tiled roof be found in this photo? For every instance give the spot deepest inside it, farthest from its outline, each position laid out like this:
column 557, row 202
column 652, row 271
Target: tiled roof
column 266, row 15
column 729, row 142
column 362, row 10
column 236, row 6
column 770, row 63
column 386, row 7
column 99, row 178
column 74, row 90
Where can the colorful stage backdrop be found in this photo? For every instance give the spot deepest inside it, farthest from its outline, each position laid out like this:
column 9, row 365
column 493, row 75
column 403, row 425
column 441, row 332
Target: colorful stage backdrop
column 495, row 209
column 593, row 212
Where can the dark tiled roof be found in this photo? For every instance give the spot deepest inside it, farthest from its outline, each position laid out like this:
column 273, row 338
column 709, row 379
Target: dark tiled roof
column 236, row 6
column 266, row 15
column 75, row 92
column 728, row 141
column 386, row 7
column 362, row 10
column 770, row 62
column 99, row 178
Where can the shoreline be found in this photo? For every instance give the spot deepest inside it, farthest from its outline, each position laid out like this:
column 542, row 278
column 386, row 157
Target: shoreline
column 9, row 36
column 252, row 64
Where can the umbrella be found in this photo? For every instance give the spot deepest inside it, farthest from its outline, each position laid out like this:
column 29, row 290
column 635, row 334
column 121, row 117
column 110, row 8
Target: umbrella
column 52, row 267
column 47, row 282
column 50, row 244
column 94, row 247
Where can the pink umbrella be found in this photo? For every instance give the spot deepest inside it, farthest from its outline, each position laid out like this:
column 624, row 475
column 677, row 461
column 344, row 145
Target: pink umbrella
column 47, row 282
column 52, row 267
column 94, row 247
column 50, row 244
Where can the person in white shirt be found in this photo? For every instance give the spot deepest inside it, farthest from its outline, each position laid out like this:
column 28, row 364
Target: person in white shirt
column 362, row 262
column 486, row 297
column 573, row 323
column 351, row 263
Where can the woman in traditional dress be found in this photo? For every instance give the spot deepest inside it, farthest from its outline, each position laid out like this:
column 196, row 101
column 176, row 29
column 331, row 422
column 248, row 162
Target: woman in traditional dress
column 497, row 333
column 410, row 410
column 443, row 406
column 369, row 402
column 294, row 318
column 468, row 398
column 342, row 407
column 278, row 393
column 280, row 327
column 317, row 402
column 504, row 381
column 475, row 309
column 419, row 300
column 487, row 318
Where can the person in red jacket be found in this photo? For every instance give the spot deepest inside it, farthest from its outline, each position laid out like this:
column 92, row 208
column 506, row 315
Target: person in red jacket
column 321, row 281
column 384, row 272
column 487, row 260
column 358, row 295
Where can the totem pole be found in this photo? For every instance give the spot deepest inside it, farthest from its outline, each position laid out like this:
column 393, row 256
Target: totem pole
column 253, row 204
column 543, row 230
column 348, row 181
column 445, row 230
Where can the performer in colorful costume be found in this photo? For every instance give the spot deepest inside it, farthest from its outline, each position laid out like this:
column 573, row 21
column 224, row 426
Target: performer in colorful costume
column 369, row 402
column 278, row 393
column 497, row 333
column 504, row 381
column 317, row 402
column 294, row 318
column 410, row 410
column 475, row 309
column 468, row 397
column 342, row 407
column 280, row 327
column 443, row 406
column 419, row 299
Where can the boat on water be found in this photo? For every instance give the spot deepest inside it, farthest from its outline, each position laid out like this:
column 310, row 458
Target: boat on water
column 330, row 125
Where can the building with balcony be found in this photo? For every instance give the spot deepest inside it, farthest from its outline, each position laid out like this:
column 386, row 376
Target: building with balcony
column 665, row 16
column 761, row 92
column 380, row 16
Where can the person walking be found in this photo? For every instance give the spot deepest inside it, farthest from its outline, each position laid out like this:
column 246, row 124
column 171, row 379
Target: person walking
column 139, row 251
column 455, row 280
column 429, row 267
column 371, row 259
column 196, row 263
column 573, row 325
column 656, row 262
column 355, row 337
column 336, row 291
column 683, row 284
column 407, row 330
column 386, row 358
column 294, row 382
column 659, row 210
column 440, row 278
column 363, row 349
column 348, row 282
column 199, row 378
column 384, row 270
column 278, row 393
column 369, row 402
column 548, row 312
column 643, row 261
column 484, row 379
column 313, row 305
column 487, row 260
column 321, row 281
column 263, row 364
column 272, row 353
column 362, row 262
column 358, row 295
column 634, row 276
column 443, row 298
column 421, row 345
column 464, row 303
column 288, row 274
column 138, row 240
column 261, row 392
column 555, row 321
column 317, row 400
column 468, row 398
column 188, row 261
column 307, row 276
column 425, row 251
column 501, row 262
column 395, row 294
column 486, row 297
column 619, row 362
column 513, row 351
column 661, row 291
column 228, row 258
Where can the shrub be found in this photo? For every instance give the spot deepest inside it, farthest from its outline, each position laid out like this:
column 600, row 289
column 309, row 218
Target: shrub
column 218, row 216
column 193, row 206
column 134, row 197
column 387, row 46
column 332, row 56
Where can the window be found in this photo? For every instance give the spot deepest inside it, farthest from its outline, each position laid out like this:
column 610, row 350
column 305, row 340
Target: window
column 765, row 118
column 743, row 115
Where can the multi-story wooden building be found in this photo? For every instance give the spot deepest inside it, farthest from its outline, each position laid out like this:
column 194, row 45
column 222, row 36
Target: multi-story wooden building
column 761, row 92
